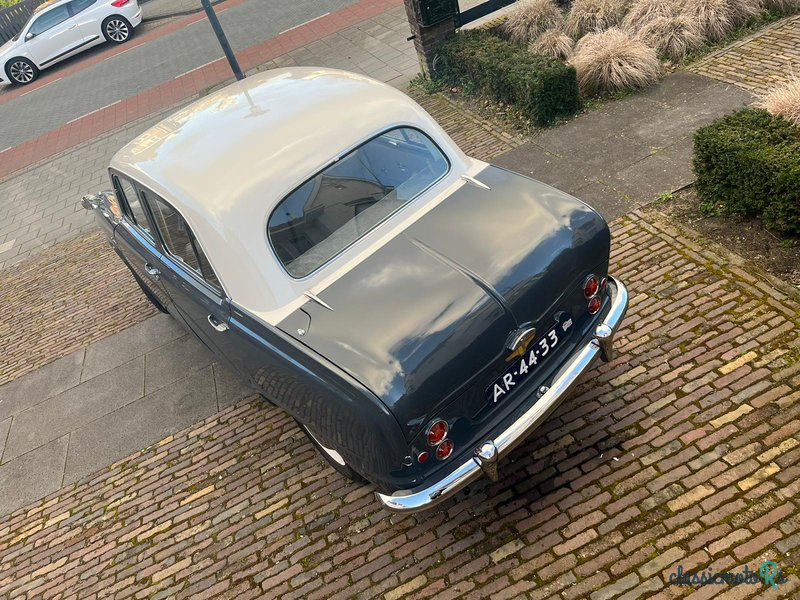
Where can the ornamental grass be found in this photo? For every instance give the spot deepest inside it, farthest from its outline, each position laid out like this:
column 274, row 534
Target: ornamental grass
column 614, row 61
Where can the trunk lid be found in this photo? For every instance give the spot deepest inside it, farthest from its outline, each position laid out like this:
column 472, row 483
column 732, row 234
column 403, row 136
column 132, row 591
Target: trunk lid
column 427, row 316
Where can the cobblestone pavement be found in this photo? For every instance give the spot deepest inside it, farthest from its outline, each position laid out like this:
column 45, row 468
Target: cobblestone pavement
column 61, row 301
column 759, row 61
column 681, row 452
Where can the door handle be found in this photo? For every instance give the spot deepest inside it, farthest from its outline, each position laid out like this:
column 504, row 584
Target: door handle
column 217, row 324
column 72, row 26
column 152, row 271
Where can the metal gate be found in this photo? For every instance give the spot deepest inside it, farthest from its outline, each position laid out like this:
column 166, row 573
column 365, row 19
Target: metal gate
column 434, row 12
column 480, row 10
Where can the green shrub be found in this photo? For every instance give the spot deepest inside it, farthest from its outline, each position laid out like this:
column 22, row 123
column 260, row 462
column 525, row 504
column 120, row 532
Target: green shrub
column 748, row 163
column 541, row 87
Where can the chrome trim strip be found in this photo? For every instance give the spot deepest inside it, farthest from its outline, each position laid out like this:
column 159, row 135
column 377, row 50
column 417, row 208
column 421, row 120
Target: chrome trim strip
column 599, row 347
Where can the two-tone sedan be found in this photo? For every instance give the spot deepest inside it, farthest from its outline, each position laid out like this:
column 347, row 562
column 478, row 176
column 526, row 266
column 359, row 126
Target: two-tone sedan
column 417, row 311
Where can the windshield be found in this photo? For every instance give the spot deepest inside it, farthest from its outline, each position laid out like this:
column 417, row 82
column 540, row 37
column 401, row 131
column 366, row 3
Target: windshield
column 351, row 197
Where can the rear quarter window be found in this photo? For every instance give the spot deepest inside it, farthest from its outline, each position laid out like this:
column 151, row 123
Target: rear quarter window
column 346, row 200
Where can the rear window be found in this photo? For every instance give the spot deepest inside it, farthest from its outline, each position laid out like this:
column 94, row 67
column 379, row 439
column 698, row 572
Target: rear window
column 341, row 204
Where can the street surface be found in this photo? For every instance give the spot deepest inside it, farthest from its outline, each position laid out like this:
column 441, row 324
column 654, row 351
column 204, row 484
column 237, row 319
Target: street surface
column 127, row 72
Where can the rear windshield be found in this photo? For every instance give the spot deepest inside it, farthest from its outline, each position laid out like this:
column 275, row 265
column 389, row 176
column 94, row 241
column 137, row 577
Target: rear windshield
column 341, row 204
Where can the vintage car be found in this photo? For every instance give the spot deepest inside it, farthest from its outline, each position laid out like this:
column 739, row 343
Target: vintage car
column 417, row 311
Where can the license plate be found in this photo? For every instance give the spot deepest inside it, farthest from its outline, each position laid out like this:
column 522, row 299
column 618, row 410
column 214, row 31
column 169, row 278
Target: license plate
column 536, row 354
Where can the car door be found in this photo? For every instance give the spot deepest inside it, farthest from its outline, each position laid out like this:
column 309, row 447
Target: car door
column 136, row 241
column 52, row 35
column 189, row 278
column 86, row 16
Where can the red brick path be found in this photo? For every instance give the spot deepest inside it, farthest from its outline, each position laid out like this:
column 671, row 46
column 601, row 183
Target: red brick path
column 683, row 451
column 183, row 87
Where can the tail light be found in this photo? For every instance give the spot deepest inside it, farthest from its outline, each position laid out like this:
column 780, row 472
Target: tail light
column 603, row 283
column 591, row 287
column 422, row 457
column 444, row 449
column 437, row 432
column 119, row 3
column 594, row 305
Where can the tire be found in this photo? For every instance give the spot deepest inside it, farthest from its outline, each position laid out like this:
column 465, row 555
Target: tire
column 21, row 71
column 332, row 457
column 117, row 29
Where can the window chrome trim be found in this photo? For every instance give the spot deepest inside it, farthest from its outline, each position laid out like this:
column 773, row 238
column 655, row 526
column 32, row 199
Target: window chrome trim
column 333, row 161
column 159, row 244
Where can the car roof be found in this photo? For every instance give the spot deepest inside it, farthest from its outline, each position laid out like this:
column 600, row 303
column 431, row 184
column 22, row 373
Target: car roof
column 227, row 159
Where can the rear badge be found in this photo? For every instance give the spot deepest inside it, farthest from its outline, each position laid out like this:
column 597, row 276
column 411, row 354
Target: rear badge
column 527, row 354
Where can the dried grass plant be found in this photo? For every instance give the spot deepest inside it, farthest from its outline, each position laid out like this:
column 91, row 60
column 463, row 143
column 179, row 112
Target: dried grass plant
column 784, row 100
column 613, row 61
column 592, row 16
column 673, row 37
column 644, row 11
column 529, row 19
column 553, row 42
column 715, row 19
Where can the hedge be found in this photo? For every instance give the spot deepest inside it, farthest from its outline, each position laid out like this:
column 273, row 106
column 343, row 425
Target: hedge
column 541, row 87
column 748, row 163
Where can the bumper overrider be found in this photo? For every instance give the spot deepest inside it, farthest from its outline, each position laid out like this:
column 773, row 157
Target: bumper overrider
column 486, row 456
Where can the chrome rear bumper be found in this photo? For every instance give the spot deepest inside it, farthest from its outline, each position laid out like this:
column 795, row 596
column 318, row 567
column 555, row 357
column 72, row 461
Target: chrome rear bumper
column 489, row 452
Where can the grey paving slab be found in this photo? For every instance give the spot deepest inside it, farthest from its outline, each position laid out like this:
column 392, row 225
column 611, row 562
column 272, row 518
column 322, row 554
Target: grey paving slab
column 140, row 423
column 626, row 153
column 32, row 475
column 173, row 361
column 230, row 387
column 40, row 384
column 74, row 408
column 5, row 425
column 115, row 350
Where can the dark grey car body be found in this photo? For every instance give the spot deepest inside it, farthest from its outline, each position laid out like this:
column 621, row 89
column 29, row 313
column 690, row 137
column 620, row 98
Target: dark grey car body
column 418, row 329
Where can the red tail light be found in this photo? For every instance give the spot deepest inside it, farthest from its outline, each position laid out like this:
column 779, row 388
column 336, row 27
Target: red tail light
column 444, row 449
column 591, row 287
column 603, row 283
column 594, row 305
column 437, row 433
column 422, row 457
column 119, row 3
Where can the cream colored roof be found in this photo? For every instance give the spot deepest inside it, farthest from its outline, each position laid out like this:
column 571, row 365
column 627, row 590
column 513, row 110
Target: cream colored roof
column 227, row 159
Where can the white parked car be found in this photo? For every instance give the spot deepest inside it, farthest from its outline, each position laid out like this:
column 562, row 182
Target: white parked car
column 59, row 30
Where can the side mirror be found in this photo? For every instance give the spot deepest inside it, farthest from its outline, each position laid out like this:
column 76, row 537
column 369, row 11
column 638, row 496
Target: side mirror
column 30, row 36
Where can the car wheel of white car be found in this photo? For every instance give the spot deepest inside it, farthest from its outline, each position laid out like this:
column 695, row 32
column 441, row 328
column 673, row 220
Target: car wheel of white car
column 117, row 29
column 21, row 70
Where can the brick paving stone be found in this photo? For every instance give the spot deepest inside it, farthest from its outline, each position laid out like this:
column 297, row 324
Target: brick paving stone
column 230, row 507
column 759, row 61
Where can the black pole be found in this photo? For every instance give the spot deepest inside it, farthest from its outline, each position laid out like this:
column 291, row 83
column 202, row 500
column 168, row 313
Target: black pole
column 223, row 41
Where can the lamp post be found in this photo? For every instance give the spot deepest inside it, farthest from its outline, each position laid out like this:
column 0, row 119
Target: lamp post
column 223, row 41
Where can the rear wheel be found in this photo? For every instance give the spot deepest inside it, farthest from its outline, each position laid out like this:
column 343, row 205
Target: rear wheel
column 21, row 70
column 117, row 29
column 333, row 458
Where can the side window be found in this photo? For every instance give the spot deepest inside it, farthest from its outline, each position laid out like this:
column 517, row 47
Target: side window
column 49, row 20
column 180, row 241
column 77, row 6
column 135, row 210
